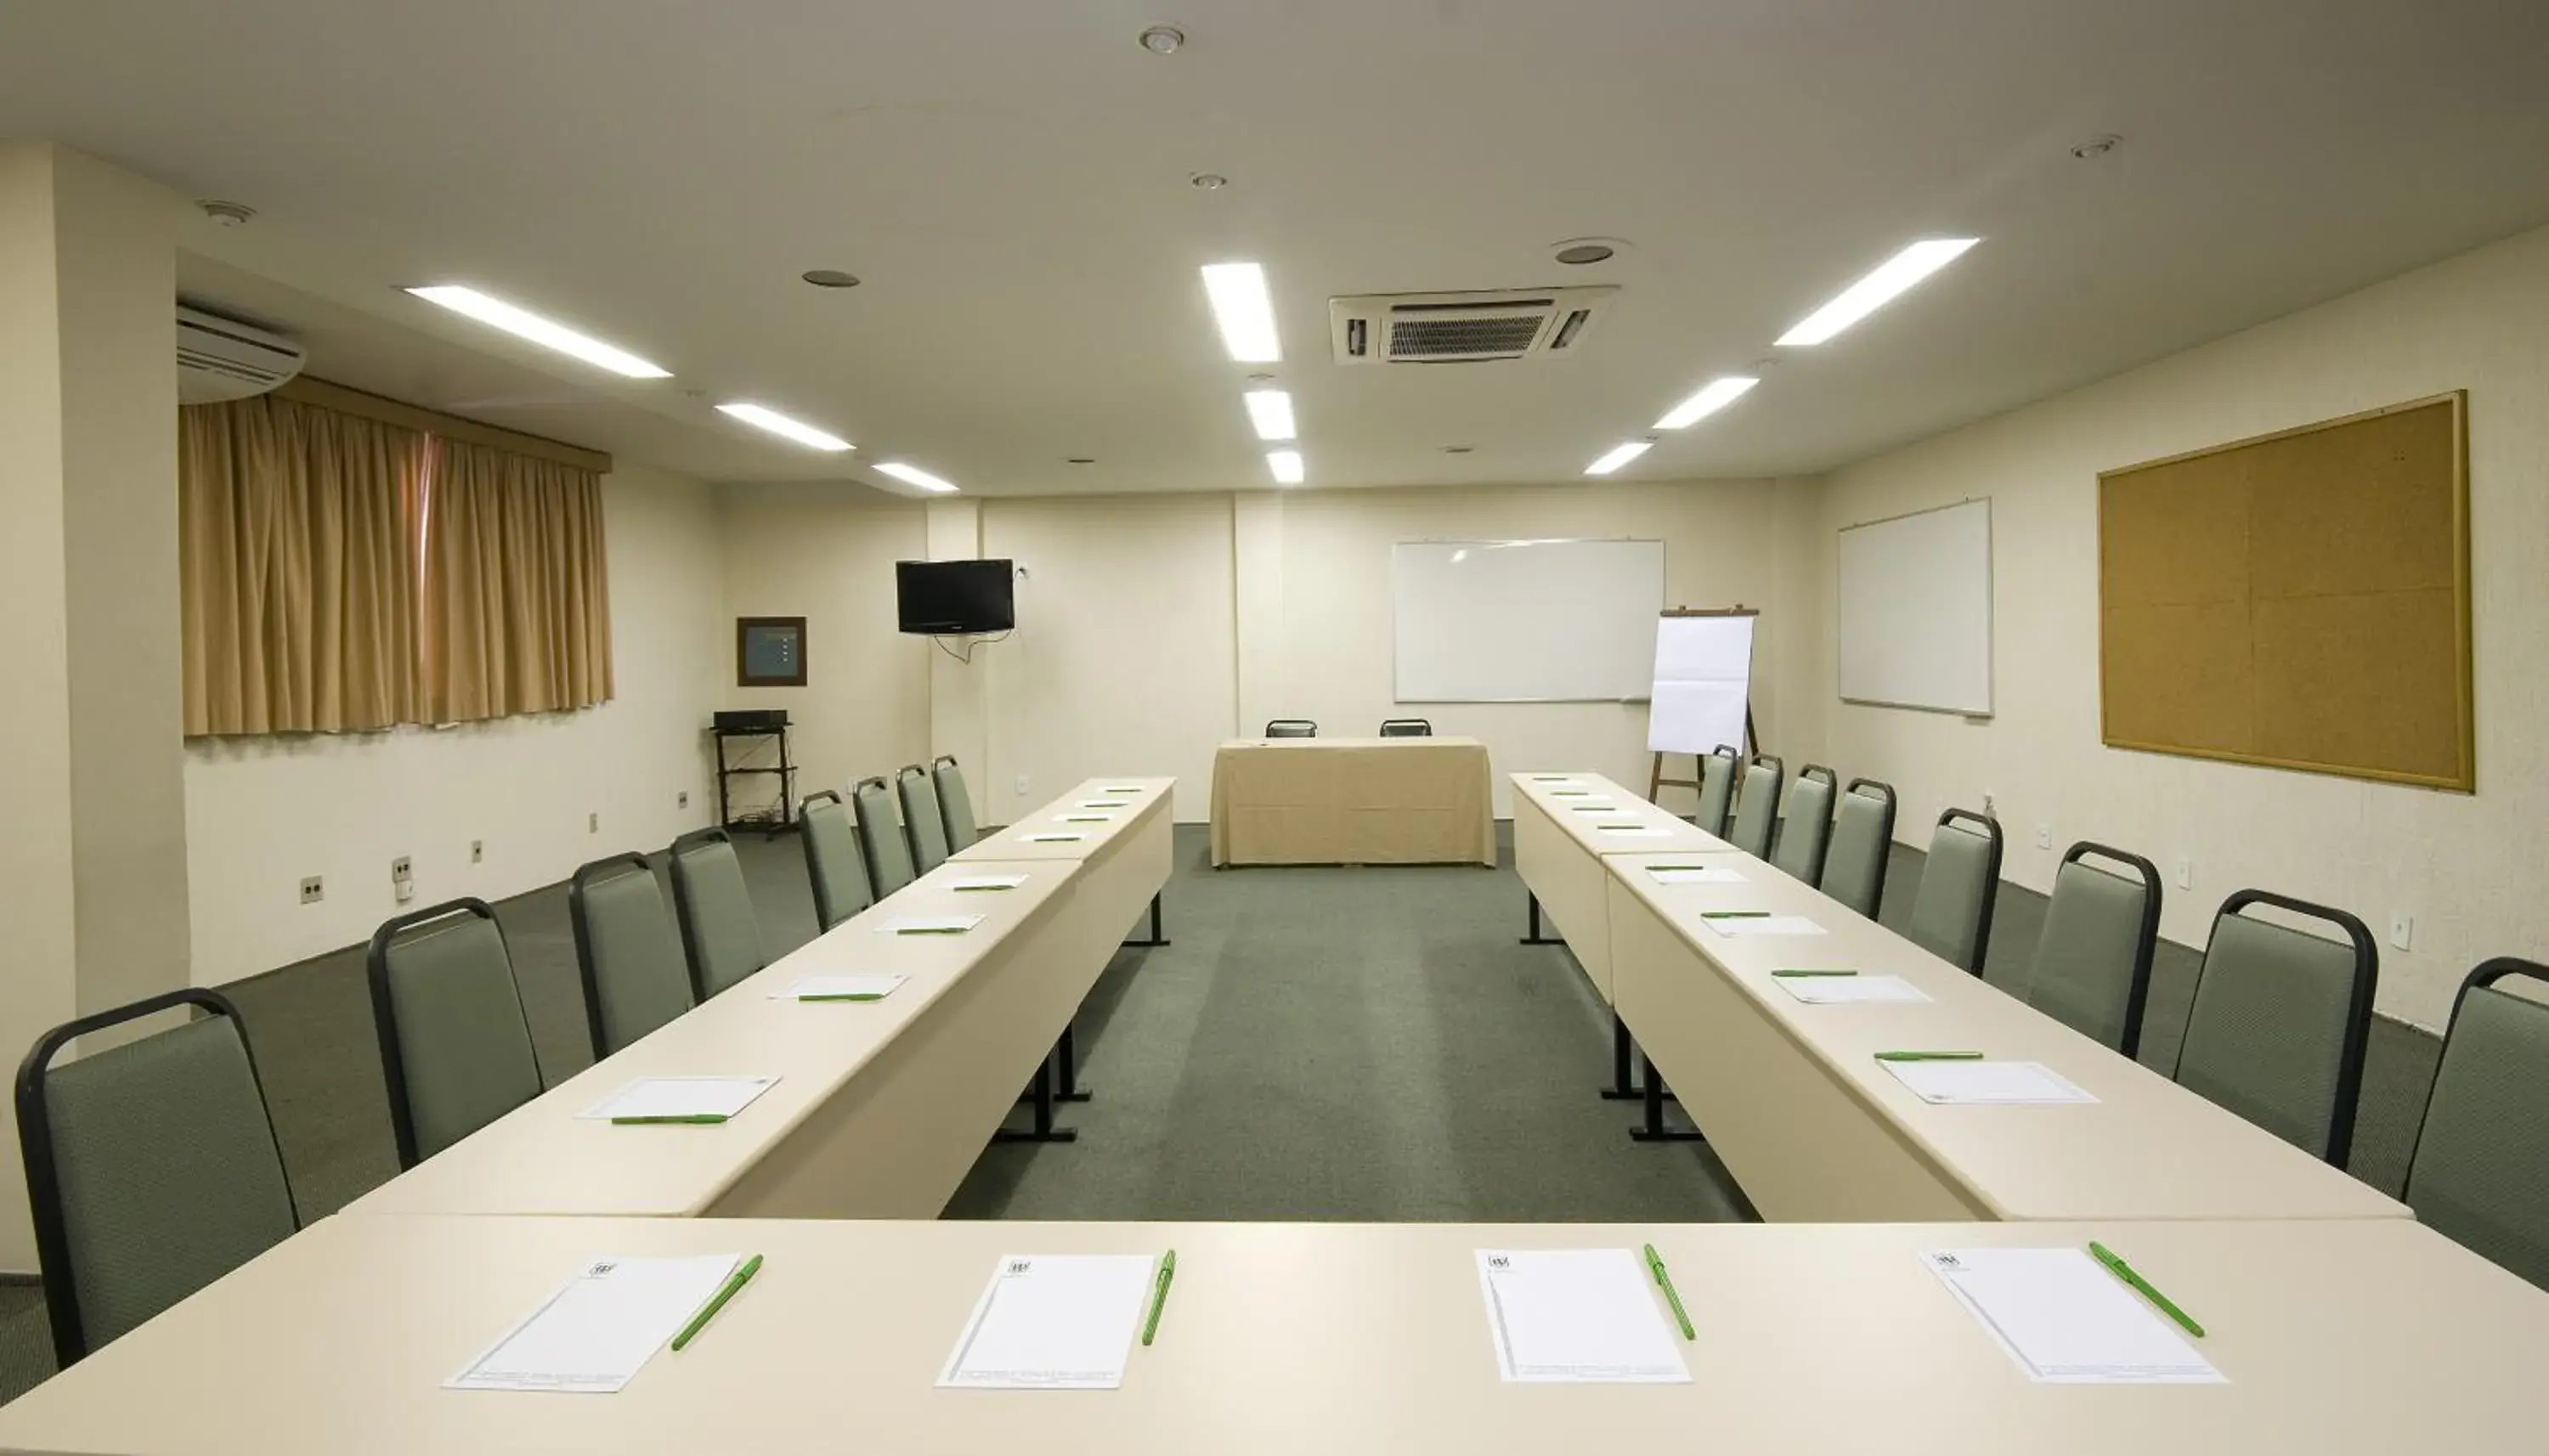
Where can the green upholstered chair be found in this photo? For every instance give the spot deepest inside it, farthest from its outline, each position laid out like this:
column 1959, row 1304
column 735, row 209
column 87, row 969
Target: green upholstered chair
column 1717, row 770
column 832, row 863
column 1291, row 728
column 151, row 1167
column 455, row 1046
column 2280, row 1020
column 1808, row 832
column 888, row 855
column 720, row 935
column 955, row 805
column 628, row 951
column 1756, row 806
column 1862, row 839
column 920, row 818
column 2480, row 1172
column 1406, row 728
column 1952, row 913
column 2093, row 960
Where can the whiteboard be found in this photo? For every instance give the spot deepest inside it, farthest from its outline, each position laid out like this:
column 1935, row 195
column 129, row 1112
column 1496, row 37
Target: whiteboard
column 1703, row 684
column 1915, row 610
column 1525, row 622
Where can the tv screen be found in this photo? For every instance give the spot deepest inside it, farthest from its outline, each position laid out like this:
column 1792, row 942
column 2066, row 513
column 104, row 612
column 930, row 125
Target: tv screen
column 947, row 598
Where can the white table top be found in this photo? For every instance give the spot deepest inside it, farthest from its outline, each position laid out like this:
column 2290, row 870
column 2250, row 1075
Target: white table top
column 1149, row 797
column 1575, row 805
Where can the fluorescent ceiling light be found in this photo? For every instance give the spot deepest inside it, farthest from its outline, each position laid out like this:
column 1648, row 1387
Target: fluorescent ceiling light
column 780, row 425
column 1718, row 393
column 913, row 475
column 1272, row 412
column 1619, row 455
column 1287, row 465
column 1245, row 311
column 1877, row 289
column 547, row 333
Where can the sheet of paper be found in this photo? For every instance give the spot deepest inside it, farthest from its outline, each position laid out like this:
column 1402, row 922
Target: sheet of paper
column 975, row 883
column 1964, row 1083
column 600, row 1327
column 1055, row 839
column 1748, row 927
column 930, row 924
column 1053, row 1322
column 680, row 1097
column 1847, row 990
column 840, row 987
column 2066, row 1320
column 1693, row 874
column 1577, row 1314
column 1105, row 804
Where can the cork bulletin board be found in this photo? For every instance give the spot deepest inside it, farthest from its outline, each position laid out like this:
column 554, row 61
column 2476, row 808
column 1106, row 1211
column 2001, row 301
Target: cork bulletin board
column 2299, row 600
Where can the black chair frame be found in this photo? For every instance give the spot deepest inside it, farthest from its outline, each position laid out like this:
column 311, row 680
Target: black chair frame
column 376, row 970
column 1883, row 792
column 1991, row 879
column 682, row 904
column 822, row 897
column 911, row 835
column 1831, row 780
column 1406, row 728
column 2358, row 1008
column 2485, row 974
column 1273, row 723
column 867, row 851
column 2145, row 940
column 1733, row 781
column 594, row 873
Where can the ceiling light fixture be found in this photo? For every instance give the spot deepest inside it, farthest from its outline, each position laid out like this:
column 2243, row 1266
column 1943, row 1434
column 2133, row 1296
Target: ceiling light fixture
column 1208, row 181
column 1287, row 465
column 1877, row 289
column 1163, row 40
column 1271, row 410
column 2095, row 146
column 913, row 475
column 1245, row 311
column 1715, row 396
column 761, row 417
column 1619, row 455
column 829, row 278
column 547, row 333
column 1578, row 255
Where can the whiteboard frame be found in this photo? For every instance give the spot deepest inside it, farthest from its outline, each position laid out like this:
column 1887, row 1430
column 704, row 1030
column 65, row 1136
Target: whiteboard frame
column 1991, row 610
column 1659, row 543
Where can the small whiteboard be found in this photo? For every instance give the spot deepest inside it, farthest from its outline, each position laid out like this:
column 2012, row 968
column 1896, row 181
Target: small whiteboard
column 1703, row 684
column 1525, row 622
column 1915, row 610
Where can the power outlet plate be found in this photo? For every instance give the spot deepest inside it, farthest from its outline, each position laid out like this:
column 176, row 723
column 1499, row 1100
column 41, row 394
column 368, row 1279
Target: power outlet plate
column 477, row 850
column 312, row 890
column 1021, row 789
column 593, row 823
column 2185, row 872
column 2402, row 929
column 2044, row 836
column 682, row 800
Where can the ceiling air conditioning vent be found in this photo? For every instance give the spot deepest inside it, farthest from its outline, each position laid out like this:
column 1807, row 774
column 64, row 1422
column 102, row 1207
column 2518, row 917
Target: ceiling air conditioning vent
column 220, row 359
column 1464, row 327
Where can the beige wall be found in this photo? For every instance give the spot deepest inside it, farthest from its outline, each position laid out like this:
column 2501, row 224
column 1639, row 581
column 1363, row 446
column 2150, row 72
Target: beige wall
column 2464, row 866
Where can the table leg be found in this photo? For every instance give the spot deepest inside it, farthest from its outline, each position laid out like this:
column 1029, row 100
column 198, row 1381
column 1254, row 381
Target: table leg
column 1070, row 1089
column 1652, row 1130
column 1157, row 937
column 1535, row 938
column 1044, row 1130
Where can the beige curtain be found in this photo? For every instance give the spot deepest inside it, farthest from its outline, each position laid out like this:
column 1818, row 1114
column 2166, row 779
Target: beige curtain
column 296, row 568
column 516, row 591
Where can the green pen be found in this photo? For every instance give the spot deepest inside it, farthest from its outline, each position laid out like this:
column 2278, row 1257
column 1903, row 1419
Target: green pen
column 1733, row 914
column 1160, row 1295
column 931, row 930
column 2124, row 1271
column 1813, row 972
column 725, row 1292
column 702, row 1118
column 847, row 996
column 1929, row 1056
column 1663, row 1281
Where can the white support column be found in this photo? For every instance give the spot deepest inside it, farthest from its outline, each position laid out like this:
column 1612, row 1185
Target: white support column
column 959, row 693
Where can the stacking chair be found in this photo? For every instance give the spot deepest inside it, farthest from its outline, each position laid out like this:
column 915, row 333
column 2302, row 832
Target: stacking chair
column 455, row 1046
column 1951, row 914
column 2280, row 1020
column 151, row 1167
column 1291, row 728
column 2480, row 1171
column 1756, row 808
column 1716, row 787
column 955, row 805
column 1406, row 728
column 628, row 951
column 833, row 860
column 888, row 855
column 2093, row 961
column 1810, row 815
column 721, row 936
column 920, row 817
column 1861, row 841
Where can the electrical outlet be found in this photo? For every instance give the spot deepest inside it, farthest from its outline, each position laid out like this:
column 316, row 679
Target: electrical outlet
column 1022, row 786
column 682, row 800
column 2402, row 929
column 1991, row 805
column 2185, row 872
column 2044, row 836
column 593, row 823
column 400, row 868
column 312, row 890
column 402, row 880
column 477, row 850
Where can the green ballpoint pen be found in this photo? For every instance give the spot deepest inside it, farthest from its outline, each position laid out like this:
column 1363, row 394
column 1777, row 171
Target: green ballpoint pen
column 1733, row 914
column 1160, row 1295
column 725, row 1292
column 1929, row 1056
column 848, row 996
column 671, row 1118
column 1663, row 1281
column 2124, row 1271
column 1795, row 974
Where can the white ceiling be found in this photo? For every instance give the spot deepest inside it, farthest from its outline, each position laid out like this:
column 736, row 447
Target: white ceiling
column 1009, row 176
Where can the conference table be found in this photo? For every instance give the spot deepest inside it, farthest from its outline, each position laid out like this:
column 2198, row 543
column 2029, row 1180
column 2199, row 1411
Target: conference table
column 1566, row 825
column 1352, row 802
column 2363, row 1337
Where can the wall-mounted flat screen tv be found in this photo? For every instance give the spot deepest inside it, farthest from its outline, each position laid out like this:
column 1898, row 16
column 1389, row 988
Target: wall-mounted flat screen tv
column 953, row 599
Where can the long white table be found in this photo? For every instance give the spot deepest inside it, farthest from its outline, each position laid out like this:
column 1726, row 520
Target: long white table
column 1564, row 826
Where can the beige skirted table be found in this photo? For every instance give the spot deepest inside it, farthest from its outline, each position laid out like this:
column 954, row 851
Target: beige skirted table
column 1352, row 802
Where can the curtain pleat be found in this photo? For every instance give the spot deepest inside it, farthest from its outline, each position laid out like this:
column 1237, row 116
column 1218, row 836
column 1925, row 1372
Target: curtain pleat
column 517, row 615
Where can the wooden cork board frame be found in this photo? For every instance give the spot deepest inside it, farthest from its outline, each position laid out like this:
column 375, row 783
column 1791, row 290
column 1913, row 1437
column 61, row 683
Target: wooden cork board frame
column 2297, row 600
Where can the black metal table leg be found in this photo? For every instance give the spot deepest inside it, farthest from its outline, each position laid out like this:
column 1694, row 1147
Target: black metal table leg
column 1652, row 1130
column 1535, row 938
column 1621, row 1088
column 1070, row 1089
column 1044, row 1130
column 1157, row 936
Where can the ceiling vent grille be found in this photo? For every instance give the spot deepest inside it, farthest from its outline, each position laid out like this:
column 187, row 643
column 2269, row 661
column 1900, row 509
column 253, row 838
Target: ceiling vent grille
column 1464, row 327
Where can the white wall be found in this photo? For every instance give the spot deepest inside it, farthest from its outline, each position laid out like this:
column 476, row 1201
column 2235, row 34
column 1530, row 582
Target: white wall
column 2464, row 866
column 262, row 813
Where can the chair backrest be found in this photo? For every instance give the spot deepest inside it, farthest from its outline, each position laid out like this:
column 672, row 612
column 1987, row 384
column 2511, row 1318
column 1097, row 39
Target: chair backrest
column 1951, row 912
column 627, row 951
column 1716, row 789
column 2093, row 960
column 720, row 934
column 832, row 861
column 955, row 805
column 1756, row 808
column 151, row 1167
column 455, row 1046
column 888, row 855
column 1406, row 728
column 2480, row 1171
column 1291, row 728
column 1809, row 828
column 920, row 816
column 2280, row 1021
column 1862, row 839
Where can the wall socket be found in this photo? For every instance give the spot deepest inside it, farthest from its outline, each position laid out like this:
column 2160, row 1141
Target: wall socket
column 682, row 800
column 312, row 890
column 593, row 823
column 2044, row 836
column 1022, row 785
column 477, row 850
column 1991, row 805
column 402, row 880
column 2185, row 872
column 2402, row 929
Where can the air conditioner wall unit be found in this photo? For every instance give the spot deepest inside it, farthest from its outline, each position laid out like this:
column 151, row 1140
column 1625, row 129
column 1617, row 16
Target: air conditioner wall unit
column 1477, row 327
column 221, row 359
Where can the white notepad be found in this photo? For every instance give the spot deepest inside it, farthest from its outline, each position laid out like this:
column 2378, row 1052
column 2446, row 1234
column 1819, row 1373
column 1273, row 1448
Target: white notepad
column 1055, row 839
column 1692, row 874
column 1053, row 1322
column 1747, row 927
column 1105, row 804
column 680, row 1097
column 974, row 882
column 840, row 988
column 600, row 1327
column 1847, row 990
column 1576, row 1315
column 1967, row 1083
column 2066, row 1320
column 930, row 924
